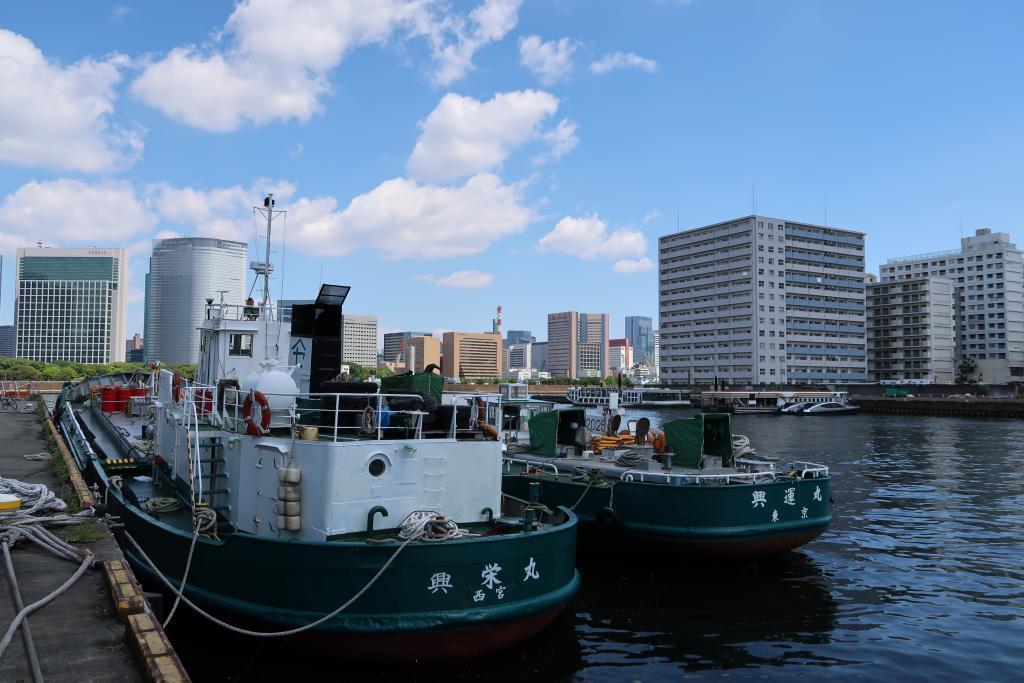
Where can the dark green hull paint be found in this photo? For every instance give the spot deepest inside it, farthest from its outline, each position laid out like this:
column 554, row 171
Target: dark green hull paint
column 705, row 520
column 279, row 585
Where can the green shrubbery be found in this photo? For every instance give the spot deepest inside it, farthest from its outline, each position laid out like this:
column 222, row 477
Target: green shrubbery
column 35, row 371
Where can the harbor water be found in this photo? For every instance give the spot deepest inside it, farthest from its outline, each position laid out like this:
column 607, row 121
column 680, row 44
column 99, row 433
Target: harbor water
column 921, row 577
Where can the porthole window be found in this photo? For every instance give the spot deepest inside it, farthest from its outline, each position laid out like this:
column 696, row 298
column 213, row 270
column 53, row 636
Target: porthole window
column 377, row 467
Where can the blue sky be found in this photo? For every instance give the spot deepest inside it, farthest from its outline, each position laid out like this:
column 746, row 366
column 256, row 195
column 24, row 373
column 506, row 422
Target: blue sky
column 444, row 158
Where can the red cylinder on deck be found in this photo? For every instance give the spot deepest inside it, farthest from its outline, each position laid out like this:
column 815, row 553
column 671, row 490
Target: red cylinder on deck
column 204, row 401
column 139, row 391
column 121, row 399
column 108, row 397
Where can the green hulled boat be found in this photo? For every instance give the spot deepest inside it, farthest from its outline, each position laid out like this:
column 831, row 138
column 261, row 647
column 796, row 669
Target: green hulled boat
column 705, row 495
column 302, row 493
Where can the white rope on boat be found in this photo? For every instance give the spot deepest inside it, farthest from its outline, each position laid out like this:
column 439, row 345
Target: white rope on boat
column 271, row 634
column 203, row 520
column 428, row 525
column 741, row 446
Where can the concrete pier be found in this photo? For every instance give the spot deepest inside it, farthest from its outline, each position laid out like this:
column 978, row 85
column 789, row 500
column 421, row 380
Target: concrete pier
column 82, row 635
column 942, row 406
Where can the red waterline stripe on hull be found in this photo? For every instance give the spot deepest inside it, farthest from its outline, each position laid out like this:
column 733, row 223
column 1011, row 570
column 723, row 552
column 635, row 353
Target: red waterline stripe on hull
column 455, row 643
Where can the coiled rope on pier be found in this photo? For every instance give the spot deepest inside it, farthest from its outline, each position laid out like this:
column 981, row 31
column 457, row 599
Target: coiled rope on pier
column 29, row 523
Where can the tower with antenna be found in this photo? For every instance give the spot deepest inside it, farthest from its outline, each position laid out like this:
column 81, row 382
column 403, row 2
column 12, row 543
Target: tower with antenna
column 496, row 323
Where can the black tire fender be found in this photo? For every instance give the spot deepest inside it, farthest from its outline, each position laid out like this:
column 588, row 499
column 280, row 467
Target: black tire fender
column 607, row 517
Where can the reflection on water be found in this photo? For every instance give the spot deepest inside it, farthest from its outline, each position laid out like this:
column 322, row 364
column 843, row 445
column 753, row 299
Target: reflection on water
column 920, row 577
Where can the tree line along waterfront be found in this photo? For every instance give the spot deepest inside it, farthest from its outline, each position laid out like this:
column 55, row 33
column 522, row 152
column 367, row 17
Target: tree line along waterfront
column 20, row 369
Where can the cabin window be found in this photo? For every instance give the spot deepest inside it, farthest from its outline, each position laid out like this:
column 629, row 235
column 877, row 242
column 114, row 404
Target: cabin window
column 240, row 345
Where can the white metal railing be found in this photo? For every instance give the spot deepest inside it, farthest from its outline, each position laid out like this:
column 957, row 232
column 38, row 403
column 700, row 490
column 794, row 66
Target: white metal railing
column 336, row 427
column 240, row 312
column 807, row 470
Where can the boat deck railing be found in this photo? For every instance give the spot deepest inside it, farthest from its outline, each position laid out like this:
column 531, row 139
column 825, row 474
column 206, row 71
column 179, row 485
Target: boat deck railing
column 801, row 469
column 351, row 416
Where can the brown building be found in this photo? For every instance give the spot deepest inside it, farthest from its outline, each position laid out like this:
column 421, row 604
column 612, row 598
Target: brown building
column 578, row 344
column 471, row 355
column 421, row 352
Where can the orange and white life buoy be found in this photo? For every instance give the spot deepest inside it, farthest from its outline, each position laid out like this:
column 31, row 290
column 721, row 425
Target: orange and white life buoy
column 658, row 441
column 262, row 427
column 177, row 393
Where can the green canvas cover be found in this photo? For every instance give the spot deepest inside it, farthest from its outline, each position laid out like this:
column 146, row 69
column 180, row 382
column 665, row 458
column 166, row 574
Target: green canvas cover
column 543, row 428
column 691, row 438
column 428, row 383
column 551, row 429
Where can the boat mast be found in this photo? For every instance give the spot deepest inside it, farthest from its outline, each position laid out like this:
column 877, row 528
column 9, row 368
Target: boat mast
column 264, row 268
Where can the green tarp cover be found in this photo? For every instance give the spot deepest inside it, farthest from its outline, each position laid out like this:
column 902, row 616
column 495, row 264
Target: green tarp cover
column 552, row 428
column 543, row 427
column 429, row 384
column 690, row 438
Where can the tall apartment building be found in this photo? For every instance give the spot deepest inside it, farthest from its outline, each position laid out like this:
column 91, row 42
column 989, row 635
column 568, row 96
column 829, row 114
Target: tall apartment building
column 656, row 360
column 910, row 330
column 640, row 333
column 577, row 344
column 394, row 344
column 760, row 300
column 620, row 355
column 359, row 339
column 422, row 351
column 471, row 355
column 988, row 305
column 183, row 273
column 71, row 304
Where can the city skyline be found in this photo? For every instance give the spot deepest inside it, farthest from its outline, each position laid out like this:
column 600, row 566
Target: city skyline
column 618, row 124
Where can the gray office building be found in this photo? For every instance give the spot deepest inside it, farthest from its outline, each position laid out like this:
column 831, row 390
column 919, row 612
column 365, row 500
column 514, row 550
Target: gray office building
column 519, row 337
column 7, row 341
column 184, row 272
column 71, row 304
column 640, row 333
column 988, row 302
column 760, row 300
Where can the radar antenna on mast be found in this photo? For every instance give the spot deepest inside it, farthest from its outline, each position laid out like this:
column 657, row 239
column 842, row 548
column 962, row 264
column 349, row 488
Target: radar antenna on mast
column 264, row 268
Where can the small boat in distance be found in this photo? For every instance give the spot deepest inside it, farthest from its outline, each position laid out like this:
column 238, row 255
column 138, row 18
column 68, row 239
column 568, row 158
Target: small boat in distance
column 827, row 408
column 763, row 402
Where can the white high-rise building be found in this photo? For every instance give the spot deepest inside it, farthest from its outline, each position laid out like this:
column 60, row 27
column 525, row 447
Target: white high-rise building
column 359, row 339
column 184, row 272
column 760, row 300
column 988, row 304
column 71, row 304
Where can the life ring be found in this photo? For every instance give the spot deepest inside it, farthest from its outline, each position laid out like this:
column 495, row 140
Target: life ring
column 262, row 427
column 177, row 393
column 659, row 442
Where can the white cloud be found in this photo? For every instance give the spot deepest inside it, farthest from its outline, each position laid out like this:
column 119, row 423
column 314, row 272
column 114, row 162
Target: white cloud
column 466, row 279
column 550, row 62
column 623, row 60
column 72, row 212
column 651, row 215
column 633, row 265
column 402, row 219
column 272, row 59
column 488, row 23
column 463, row 136
column 224, row 212
column 588, row 238
column 561, row 140
column 59, row 116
